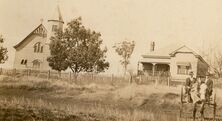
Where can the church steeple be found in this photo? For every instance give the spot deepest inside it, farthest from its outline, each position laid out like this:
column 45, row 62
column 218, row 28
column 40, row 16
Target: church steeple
column 57, row 16
column 57, row 19
column 55, row 23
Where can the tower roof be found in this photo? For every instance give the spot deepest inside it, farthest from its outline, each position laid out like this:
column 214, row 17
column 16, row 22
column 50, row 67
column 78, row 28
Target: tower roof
column 57, row 16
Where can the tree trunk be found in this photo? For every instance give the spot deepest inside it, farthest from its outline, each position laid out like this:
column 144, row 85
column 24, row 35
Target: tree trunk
column 59, row 74
column 75, row 77
column 125, row 69
column 75, row 74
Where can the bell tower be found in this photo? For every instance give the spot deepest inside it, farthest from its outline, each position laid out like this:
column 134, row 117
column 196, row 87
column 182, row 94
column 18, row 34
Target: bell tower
column 55, row 23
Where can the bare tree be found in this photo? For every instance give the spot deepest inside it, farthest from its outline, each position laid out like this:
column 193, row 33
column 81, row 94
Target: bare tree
column 217, row 66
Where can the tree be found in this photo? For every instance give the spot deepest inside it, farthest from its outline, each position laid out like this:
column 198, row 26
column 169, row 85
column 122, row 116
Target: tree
column 213, row 57
column 3, row 51
column 57, row 59
column 125, row 50
column 81, row 49
column 217, row 66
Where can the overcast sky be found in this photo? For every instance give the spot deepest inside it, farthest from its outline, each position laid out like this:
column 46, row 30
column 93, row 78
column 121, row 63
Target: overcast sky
column 197, row 23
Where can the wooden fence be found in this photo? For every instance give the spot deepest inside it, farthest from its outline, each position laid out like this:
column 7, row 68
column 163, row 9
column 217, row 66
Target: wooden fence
column 88, row 77
column 49, row 74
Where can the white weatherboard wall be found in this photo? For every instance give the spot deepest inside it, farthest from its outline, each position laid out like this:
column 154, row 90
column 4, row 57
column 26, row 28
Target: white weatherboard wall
column 183, row 57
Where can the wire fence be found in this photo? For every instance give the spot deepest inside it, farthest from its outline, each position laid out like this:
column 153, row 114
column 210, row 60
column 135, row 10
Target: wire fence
column 67, row 76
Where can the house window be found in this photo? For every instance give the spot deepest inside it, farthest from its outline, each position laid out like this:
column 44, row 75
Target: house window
column 183, row 69
column 54, row 28
column 38, row 48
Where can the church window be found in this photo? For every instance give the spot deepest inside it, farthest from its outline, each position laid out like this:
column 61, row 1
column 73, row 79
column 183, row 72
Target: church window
column 35, row 48
column 41, row 49
column 25, row 62
column 22, row 61
column 38, row 48
column 54, row 28
column 36, row 64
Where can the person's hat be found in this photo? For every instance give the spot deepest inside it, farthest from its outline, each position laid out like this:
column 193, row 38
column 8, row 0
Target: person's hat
column 207, row 74
column 202, row 80
column 200, row 76
column 191, row 73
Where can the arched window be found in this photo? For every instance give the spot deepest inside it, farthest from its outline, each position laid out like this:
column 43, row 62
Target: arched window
column 36, row 64
column 41, row 49
column 54, row 28
column 38, row 48
column 24, row 62
column 35, row 48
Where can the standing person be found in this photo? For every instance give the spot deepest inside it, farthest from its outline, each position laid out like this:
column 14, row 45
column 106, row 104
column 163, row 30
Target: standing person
column 209, row 84
column 188, row 85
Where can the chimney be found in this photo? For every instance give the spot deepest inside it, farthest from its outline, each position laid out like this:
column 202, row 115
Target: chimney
column 152, row 46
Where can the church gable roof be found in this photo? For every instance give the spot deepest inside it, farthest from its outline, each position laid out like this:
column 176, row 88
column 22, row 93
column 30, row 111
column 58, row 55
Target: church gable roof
column 40, row 31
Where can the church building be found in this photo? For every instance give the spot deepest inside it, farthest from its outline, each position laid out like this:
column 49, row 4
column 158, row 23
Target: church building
column 33, row 50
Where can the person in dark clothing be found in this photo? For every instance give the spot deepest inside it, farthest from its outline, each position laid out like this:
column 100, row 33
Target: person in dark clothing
column 188, row 85
column 209, row 84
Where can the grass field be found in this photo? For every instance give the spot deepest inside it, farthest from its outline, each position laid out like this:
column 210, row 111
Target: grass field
column 56, row 100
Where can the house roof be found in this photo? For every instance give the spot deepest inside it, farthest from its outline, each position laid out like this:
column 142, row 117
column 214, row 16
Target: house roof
column 162, row 52
column 183, row 49
column 170, row 51
column 40, row 30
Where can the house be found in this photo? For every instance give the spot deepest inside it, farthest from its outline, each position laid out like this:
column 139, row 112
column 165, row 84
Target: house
column 33, row 50
column 173, row 61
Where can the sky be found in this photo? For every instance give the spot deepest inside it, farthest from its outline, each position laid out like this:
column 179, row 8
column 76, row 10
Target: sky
column 195, row 23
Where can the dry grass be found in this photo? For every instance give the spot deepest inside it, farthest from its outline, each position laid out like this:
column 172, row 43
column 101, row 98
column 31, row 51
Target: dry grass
column 100, row 112
column 61, row 100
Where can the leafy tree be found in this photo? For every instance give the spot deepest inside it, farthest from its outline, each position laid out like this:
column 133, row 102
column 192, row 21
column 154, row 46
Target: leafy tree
column 81, row 49
column 125, row 50
column 57, row 60
column 3, row 51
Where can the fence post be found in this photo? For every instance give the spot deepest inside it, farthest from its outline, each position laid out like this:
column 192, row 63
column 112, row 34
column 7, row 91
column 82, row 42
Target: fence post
column 156, row 82
column 112, row 82
column 27, row 74
column 112, row 77
column 1, row 71
column 168, row 81
column 48, row 74
column 14, row 73
column 140, row 79
column 92, row 77
column 70, row 76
